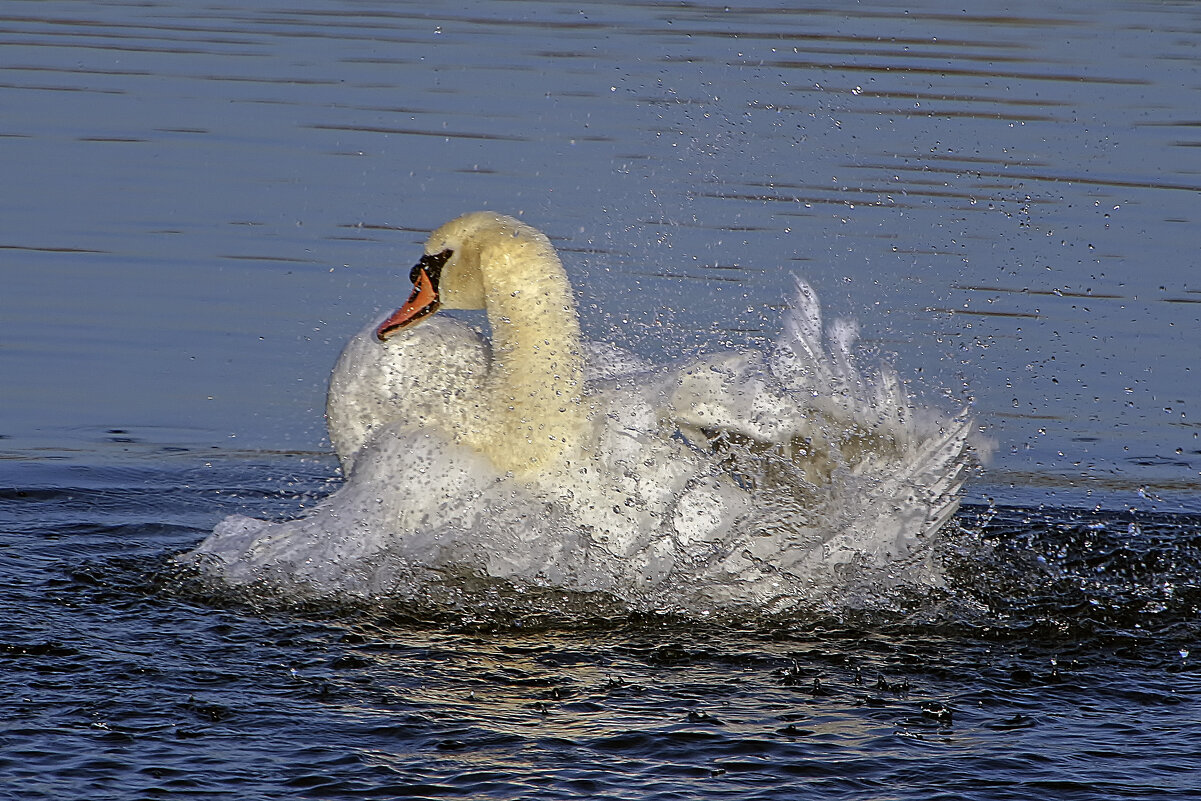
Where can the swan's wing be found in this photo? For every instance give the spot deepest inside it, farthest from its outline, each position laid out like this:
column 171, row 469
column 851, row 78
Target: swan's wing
column 604, row 361
column 423, row 375
column 908, row 499
column 734, row 393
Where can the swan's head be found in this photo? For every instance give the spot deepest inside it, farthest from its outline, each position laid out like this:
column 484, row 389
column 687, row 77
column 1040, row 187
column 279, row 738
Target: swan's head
column 451, row 272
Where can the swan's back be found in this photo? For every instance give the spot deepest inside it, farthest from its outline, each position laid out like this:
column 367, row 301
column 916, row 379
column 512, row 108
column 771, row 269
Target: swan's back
column 425, row 377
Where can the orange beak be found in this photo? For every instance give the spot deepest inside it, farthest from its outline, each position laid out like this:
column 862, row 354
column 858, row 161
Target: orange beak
column 421, row 303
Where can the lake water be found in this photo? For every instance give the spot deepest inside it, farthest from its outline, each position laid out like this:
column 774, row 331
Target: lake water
column 204, row 202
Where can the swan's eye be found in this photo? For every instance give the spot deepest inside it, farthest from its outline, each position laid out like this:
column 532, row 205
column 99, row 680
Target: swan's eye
column 432, row 264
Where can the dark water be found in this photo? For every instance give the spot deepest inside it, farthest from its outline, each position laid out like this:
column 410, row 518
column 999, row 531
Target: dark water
column 204, row 202
column 1057, row 664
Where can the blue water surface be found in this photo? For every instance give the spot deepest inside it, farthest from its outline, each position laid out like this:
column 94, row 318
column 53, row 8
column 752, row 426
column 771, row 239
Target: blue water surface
column 205, row 201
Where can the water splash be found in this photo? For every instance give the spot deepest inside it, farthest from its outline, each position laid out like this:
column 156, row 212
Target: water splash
column 748, row 480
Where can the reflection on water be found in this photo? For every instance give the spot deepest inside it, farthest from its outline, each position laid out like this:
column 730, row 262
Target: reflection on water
column 211, row 200
column 1063, row 652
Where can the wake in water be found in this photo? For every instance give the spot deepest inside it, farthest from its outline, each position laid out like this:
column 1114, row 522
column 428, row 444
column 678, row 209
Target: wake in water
column 763, row 480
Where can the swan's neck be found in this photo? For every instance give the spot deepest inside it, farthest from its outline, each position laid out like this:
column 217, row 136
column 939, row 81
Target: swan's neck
column 536, row 381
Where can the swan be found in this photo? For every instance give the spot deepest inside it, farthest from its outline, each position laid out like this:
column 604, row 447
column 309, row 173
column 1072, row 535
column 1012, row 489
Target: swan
column 738, row 478
column 524, row 408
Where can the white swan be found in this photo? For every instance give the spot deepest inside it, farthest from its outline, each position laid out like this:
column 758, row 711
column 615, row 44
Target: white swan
column 741, row 478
